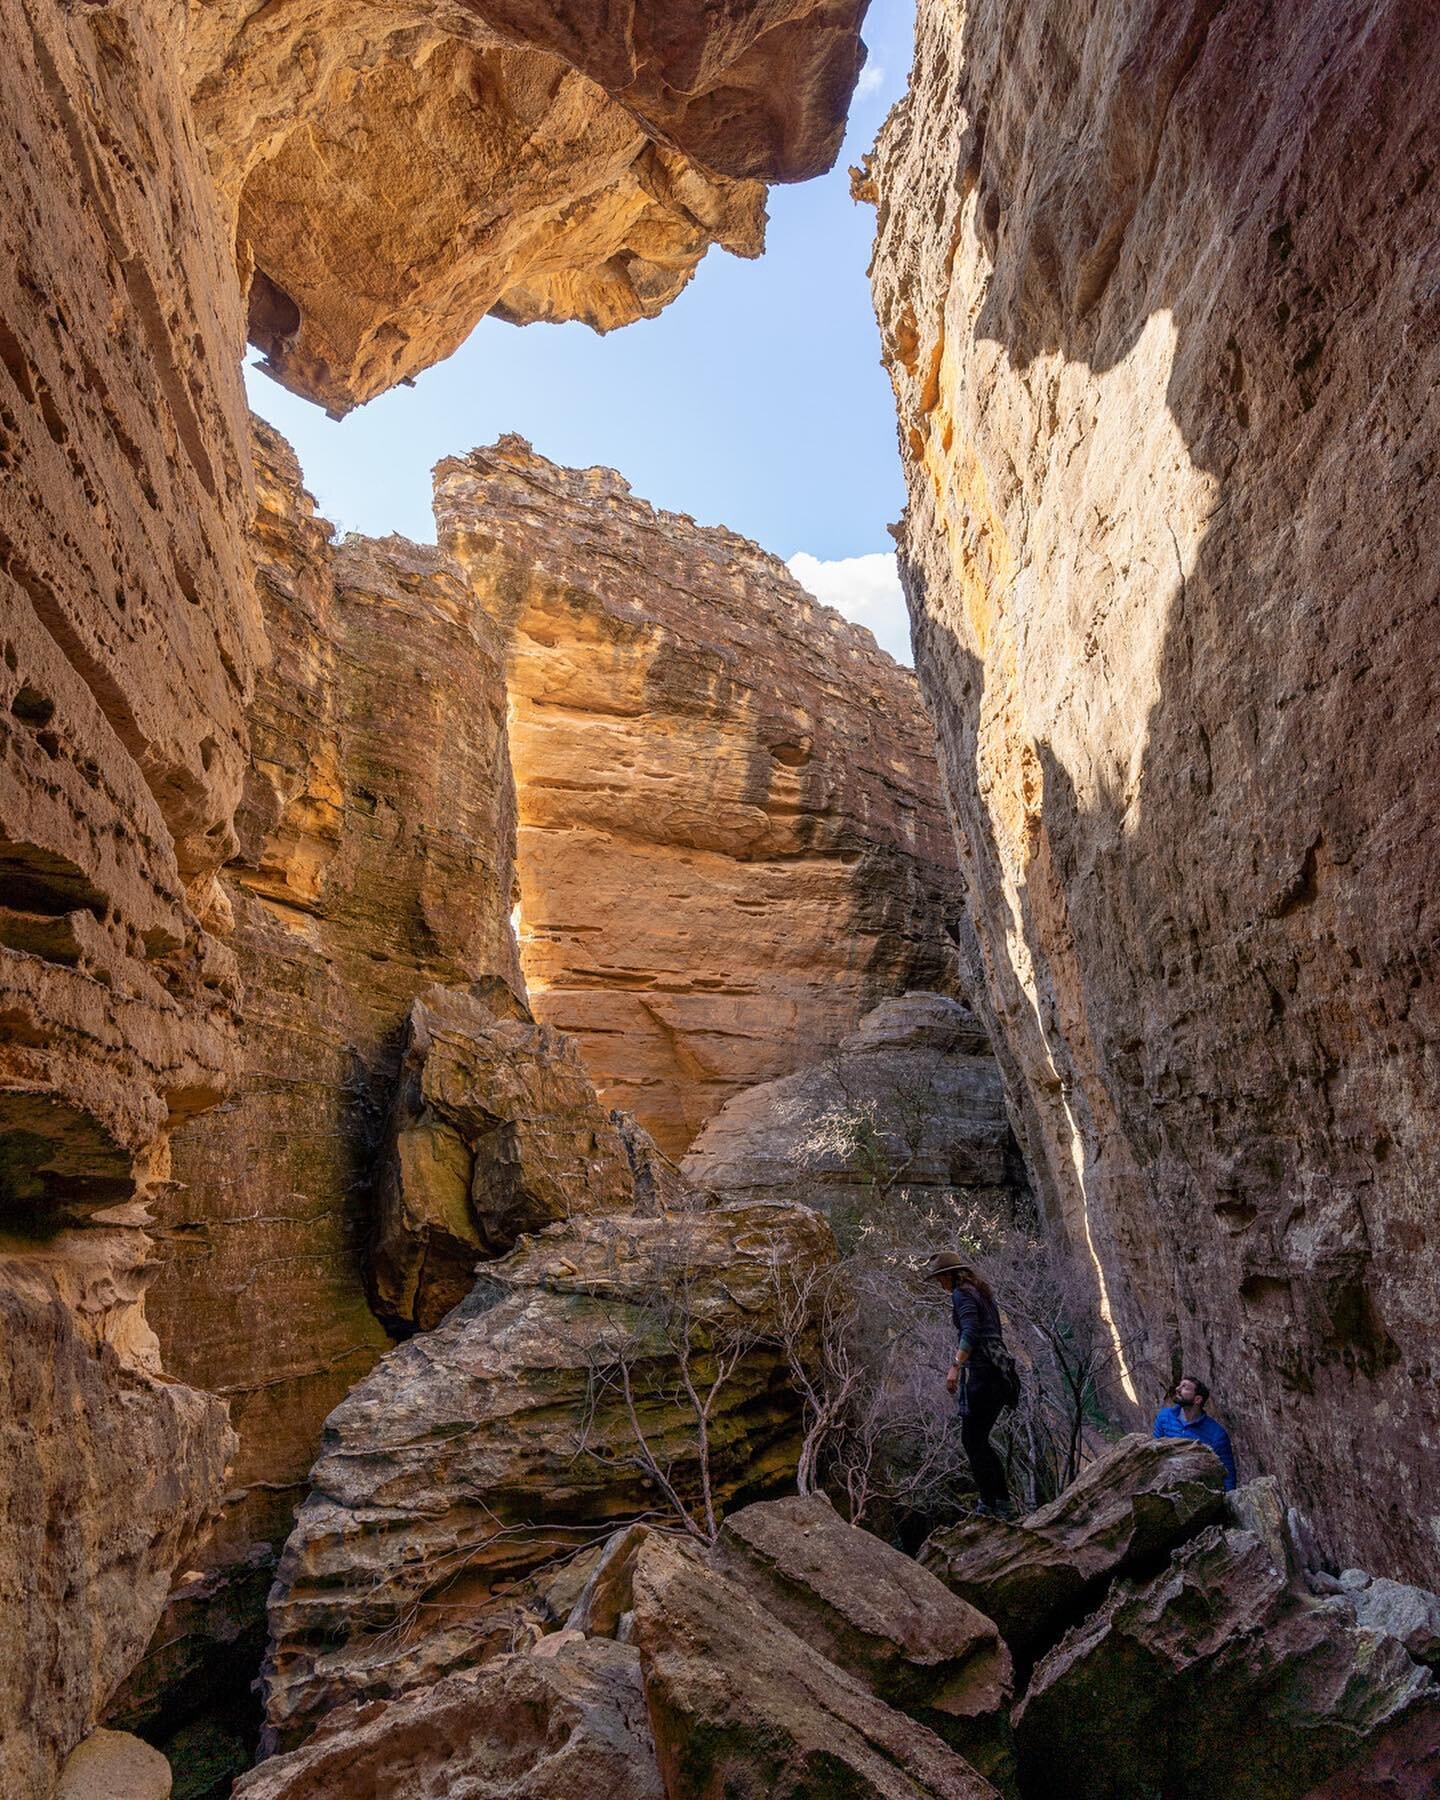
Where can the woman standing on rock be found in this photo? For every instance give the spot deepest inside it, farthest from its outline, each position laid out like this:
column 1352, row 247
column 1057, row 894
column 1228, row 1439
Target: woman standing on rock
column 982, row 1376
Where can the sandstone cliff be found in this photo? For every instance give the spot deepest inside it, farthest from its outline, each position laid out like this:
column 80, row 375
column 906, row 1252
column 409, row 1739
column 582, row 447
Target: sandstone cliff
column 1156, row 285
column 732, row 842
column 158, row 165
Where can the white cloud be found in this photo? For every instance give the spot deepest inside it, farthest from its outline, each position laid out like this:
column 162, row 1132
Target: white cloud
column 872, row 79
column 864, row 588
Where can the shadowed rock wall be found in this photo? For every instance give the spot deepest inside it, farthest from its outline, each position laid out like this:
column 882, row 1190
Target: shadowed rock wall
column 128, row 639
column 732, row 843
column 1158, row 293
column 376, row 858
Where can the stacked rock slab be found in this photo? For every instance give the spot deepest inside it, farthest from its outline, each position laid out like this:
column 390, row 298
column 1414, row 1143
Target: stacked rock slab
column 1124, row 1516
column 518, row 1431
column 732, row 843
column 1163, row 341
column 523, row 1727
column 1216, row 1677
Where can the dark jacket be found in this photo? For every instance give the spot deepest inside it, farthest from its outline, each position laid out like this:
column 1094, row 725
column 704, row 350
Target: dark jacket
column 1171, row 1422
column 976, row 1318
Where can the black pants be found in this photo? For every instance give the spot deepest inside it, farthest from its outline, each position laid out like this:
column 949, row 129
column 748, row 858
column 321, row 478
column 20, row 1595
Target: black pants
column 982, row 1409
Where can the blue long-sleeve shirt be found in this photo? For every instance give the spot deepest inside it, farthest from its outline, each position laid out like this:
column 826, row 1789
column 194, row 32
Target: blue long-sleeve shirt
column 1171, row 1422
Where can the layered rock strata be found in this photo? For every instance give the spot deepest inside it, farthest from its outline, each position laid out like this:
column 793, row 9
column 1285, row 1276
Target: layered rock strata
column 374, row 861
column 129, row 635
column 731, row 841
column 1163, row 341
column 912, row 1099
column 555, row 1402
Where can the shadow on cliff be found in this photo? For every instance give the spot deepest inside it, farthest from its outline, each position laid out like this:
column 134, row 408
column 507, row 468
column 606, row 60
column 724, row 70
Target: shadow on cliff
column 1234, row 960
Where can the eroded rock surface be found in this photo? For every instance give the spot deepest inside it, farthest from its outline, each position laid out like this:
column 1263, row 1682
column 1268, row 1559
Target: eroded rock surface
column 1216, row 1677
column 375, row 860
column 495, row 1131
column 1163, row 339
column 1124, row 1515
column 521, row 1728
column 502, row 1440
column 742, row 1706
column 129, row 636
column 878, row 1614
column 559, row 162
column 915, row 1091
column 731, row 837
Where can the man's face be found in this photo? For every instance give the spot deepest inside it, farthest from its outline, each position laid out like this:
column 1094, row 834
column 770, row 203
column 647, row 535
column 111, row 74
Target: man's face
column 1186, row 1393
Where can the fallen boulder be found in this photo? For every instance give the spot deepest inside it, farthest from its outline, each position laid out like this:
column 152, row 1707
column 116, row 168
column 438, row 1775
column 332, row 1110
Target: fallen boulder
column 879, row 1615
column 742, row 1707
column 494, row 1131
column 1123, row 1516
column 1219, row 1677
column 113, row 1765
column 544, row 1411
column 522, row 1727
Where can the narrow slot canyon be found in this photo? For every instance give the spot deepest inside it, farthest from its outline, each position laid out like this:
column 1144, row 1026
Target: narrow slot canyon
column 523, row 1044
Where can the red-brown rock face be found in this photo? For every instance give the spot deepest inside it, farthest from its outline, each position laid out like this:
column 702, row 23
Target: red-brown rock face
column 1157, row 287
column 128, row 636
column 376, row 858
column 731, row 837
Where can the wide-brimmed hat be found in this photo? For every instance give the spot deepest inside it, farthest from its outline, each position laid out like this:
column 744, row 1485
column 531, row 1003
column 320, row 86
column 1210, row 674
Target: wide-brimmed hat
column 946, row 1262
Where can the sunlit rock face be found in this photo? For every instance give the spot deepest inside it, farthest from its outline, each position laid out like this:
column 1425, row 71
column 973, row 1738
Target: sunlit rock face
column 397, row 171
column 731, row 841
column 1156, row 288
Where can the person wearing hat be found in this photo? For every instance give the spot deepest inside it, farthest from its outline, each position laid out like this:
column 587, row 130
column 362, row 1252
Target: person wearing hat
column 978, row 1384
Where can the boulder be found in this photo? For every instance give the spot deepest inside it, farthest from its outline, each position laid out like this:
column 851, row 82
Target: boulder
column 1410, row 1614
column 494, row 1131
column 521, row 1728
column 478, row 1453
column 742, row 1707
column 112, row 1765
column 877, row 1614
column 1217, row 1677
column 1123, row 1516
column 607, row 1595
column 917, row 1076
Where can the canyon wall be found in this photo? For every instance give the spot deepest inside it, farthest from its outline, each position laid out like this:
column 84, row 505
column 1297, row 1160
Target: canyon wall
column 1157, row 286
column 732, row 840
column 161, row 164
column 130, row 636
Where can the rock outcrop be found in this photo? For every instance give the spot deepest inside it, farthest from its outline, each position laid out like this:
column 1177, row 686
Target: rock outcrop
column 558, row 163
column 520, row 1728
column 112, row 1765
column 731, row 841
column 742, row 1706
column 495, row 1131
column 1217, row 1678
column 144, row 146
column 1163, row 341
column 1124, row 1515
column 874, row 1612
column 374, row 860
column 129, row 635
column 913, row 1097
column 504, row 1440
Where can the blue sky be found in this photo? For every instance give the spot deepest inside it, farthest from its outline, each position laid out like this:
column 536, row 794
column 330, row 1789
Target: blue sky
column 756, row 400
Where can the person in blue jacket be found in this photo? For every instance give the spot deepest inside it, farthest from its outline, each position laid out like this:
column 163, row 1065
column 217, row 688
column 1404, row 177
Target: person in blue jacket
column 1188, row 1418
